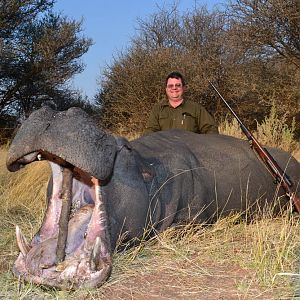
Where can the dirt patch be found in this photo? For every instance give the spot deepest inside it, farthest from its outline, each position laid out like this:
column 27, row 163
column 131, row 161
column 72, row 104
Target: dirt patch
column 213, row 281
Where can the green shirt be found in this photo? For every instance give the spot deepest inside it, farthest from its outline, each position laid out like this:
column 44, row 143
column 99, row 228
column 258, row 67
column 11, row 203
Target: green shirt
column 188, row 115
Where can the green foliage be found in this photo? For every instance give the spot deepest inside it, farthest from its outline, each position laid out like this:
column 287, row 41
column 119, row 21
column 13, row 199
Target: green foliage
column 13, row 14
column 39, row 52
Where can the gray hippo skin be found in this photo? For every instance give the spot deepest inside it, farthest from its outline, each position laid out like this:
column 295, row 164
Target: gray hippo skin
column 122, row 190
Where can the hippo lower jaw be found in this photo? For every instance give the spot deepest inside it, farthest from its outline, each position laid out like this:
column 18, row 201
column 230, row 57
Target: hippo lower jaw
column 80, row 271
column 87, row 258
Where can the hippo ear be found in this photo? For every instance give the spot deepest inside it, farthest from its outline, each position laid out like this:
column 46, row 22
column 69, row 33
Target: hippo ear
column 145, row 168
column 122, row 142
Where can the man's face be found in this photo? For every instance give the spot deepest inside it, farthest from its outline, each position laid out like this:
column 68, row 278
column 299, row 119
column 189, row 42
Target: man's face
column 174, row 89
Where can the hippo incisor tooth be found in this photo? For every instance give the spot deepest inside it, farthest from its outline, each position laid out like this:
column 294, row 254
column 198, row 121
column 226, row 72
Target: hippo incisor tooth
column 22, row 242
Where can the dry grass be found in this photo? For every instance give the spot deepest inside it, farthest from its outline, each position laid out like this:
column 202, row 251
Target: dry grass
column 296, row 153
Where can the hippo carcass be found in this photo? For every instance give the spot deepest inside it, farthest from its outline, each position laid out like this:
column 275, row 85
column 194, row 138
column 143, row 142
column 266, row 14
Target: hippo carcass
column 104, row 187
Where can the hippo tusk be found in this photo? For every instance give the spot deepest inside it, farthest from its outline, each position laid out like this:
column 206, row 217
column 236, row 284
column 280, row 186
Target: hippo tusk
column 99, row 256
column 22, row 242
column 64, row 214
column 94, row 261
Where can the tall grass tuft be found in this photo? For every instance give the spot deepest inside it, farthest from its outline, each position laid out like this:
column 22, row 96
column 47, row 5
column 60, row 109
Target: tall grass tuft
column 275, row 243
column 274, row 131
column 230, row 126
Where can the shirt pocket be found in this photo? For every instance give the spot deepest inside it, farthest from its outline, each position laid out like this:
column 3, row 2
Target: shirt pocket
column 189, row 121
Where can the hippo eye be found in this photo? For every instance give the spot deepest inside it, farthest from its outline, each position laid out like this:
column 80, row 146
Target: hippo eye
column 85, row 234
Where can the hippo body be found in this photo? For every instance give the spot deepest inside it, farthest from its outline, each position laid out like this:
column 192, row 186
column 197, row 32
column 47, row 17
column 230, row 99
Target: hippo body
column 123, row 189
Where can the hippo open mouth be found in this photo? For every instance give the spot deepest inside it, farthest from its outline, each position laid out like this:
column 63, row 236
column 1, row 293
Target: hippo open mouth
column 72, row 248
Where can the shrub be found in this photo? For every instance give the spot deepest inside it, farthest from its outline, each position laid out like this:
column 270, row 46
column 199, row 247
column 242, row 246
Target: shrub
column 273, row 131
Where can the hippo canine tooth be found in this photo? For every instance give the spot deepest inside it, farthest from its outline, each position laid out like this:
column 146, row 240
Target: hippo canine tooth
column 94, row 262
column 22, row 242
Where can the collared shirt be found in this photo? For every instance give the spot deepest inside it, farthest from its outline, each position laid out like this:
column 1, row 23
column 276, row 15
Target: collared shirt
column 188, row 115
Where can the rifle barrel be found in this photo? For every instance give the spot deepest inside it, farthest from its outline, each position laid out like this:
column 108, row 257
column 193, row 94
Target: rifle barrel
column 278, row 174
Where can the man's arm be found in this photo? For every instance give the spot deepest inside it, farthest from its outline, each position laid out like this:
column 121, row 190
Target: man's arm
column 206, row 122
column 152, row 124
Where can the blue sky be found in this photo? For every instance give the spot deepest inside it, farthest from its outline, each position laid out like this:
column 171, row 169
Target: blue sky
column 111, row 25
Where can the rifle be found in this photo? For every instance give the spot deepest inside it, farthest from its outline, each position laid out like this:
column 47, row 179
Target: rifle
column 280, row 177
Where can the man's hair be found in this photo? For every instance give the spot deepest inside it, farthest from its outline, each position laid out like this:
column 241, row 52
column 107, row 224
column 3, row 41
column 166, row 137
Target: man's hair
column 176, row 75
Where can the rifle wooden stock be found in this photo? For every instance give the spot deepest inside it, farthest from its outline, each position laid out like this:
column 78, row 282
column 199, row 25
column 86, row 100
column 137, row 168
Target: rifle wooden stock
column 280, row 177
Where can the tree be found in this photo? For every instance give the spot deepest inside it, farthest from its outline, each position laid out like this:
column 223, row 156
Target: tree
column 15, row 13
column 264, row 36
column 269, row 26
column 40, row 52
